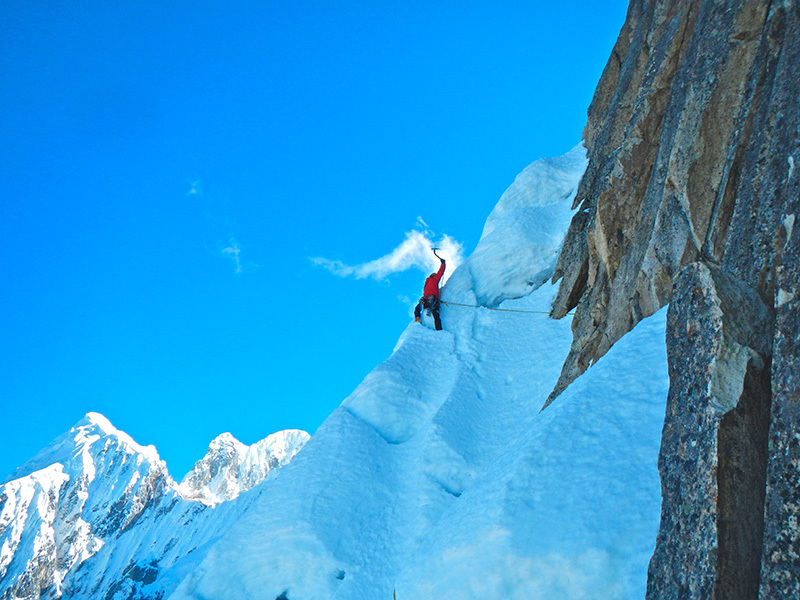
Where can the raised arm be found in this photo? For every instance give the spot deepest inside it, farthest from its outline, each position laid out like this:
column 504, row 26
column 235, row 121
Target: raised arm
column 440, row 272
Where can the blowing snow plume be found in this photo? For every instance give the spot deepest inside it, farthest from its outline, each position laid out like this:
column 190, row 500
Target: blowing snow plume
column 413, row 253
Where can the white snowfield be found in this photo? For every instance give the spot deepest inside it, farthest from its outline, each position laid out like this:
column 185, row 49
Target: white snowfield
column 438, row 478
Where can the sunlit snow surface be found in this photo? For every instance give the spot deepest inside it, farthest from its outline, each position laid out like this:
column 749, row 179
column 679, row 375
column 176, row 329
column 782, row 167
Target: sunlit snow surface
column 439, row 477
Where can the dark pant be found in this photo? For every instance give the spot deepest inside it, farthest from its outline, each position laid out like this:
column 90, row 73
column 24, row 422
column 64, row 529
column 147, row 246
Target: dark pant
column 431, row 304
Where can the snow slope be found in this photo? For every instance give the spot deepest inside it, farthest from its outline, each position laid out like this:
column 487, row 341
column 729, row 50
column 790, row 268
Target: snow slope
column 439, row 477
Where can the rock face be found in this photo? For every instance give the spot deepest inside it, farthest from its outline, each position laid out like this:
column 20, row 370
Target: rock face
column 714, row 443
column 692, row 139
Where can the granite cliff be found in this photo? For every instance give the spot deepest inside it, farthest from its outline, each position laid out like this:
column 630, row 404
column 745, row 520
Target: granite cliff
column 690, row 199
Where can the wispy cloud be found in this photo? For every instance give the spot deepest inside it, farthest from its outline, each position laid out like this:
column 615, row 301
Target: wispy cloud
column 219, row 229
column 196, row 189
column 233, row 252
column 414, row 252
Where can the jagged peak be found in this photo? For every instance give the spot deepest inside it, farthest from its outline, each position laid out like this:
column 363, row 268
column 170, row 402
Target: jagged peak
column 94, row 423
column 274, row 443
column 224, row 440
column 95, row 418
column 222, row 475
column 80, row 443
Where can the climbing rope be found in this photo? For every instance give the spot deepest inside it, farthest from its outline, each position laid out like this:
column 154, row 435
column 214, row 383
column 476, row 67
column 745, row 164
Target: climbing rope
column 535, row 312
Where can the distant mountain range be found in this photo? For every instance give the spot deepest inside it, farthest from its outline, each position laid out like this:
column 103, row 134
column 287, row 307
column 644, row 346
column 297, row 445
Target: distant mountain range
column 93, row 490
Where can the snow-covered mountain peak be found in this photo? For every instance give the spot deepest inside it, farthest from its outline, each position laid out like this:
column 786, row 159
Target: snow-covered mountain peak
column 95, row 418
column 92, row 486
column 224, row 440
column 230, row 467
column 89, row 484
column 81, row 450
column 95, row 424
column 280, row 444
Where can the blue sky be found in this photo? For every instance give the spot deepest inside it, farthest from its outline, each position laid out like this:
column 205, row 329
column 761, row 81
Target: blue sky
column 170, row 171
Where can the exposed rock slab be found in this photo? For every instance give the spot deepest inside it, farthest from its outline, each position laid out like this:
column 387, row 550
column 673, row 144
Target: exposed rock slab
column 714, row 445
column 667, row 132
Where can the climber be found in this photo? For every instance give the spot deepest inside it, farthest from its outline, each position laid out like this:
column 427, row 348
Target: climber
column 430, row 296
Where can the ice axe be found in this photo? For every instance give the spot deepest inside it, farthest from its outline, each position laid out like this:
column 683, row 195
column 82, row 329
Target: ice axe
column 436, row 255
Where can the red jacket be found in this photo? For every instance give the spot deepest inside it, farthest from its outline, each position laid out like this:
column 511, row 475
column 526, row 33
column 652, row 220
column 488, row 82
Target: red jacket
column 432, row 283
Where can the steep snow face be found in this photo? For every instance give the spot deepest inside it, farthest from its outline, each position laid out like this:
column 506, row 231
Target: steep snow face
column 229, row 467
column 569, row 507
column 95, row 493
column 522, row 236
column 439, row 477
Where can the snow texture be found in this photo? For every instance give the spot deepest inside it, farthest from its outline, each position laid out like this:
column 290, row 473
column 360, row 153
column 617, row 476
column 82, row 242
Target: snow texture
column 519, row 246
column 438, row 477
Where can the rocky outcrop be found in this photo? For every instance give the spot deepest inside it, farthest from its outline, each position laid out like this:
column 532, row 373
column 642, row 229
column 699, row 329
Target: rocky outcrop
column 780, row 572
column 714, row 444
column 692, row 138
column 666, row 136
